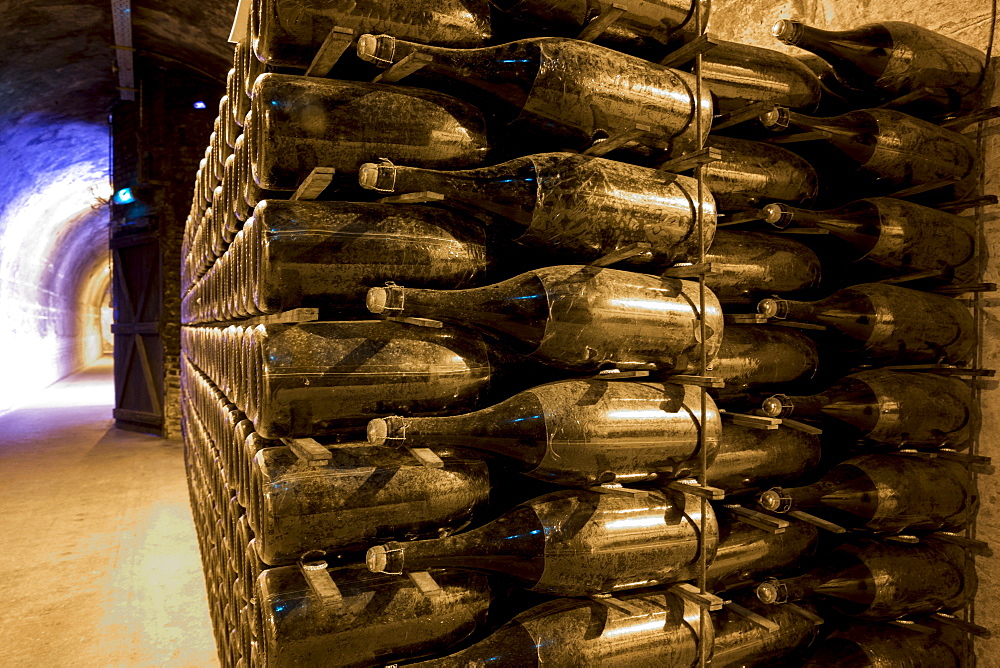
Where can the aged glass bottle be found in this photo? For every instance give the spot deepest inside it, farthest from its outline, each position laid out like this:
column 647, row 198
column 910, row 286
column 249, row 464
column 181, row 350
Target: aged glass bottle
column 749, row 265
column 577, row 432
column 891, row 407
column 893, row 57
column 651, row 629
column 288, row 34
column 888, row 151
column 890, row 232
column 740, row 74
column 298, row 629
column 573, row 205
column 573, row 543
column 571, row 91
column 751, row 174
column 299, row 123
column 886, row 493
column 746, row 554
column 753, row 357
column 750, row 460
column 643, row 29
column 364, row 494
column 887, row 323
column 877, row 645
column 633, row 321
column 882, row 581
column 326, row 377
column 329, row 253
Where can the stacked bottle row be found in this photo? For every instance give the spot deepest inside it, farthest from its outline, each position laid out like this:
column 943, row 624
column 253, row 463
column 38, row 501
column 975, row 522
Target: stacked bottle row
column 474, row 376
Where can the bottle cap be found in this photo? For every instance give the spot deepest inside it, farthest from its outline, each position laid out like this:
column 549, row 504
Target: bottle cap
column 376, row 559
column 772, row 500
column 769, row 308
column 367, row 46
column 776, row 406
column 767, row 592
column 368, row 176
column 787, row 31
column 777, row 215
column 776, row 119
column 376, row 299
column 378, row 430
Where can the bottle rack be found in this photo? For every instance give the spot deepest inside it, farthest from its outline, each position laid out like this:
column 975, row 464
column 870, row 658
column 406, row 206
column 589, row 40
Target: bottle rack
column 221, row 362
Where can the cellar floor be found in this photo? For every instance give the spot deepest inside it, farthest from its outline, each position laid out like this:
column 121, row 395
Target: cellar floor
column 98, row 559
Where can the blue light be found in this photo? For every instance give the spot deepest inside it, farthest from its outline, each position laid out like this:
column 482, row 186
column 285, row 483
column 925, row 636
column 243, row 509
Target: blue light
column 124, row 196
column 199, row 105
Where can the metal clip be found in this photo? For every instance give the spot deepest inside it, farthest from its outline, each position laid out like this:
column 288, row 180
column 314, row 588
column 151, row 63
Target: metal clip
column 772, row 591
column 380, row 176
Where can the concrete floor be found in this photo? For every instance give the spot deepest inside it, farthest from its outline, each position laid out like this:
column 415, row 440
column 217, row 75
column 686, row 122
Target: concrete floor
column 98, row 559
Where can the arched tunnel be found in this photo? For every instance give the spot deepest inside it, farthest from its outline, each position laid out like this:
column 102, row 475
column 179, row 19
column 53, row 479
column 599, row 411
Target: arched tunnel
column 98, row 166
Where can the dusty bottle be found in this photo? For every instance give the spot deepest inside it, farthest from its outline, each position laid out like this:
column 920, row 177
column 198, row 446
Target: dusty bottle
column 890, row 232
column 882, row 581
column 299, row 123
column 570, row 91
column 887, row 646
column 740, row 74
column 573, row 543
column 751, row 174
column 888, row 323
column 747, row 266
column 648, row 629
column 328, row 377
column 643, row 29
column 885, row 493
column 364, row 495
column 573, row 205
column 633, row 321
column 298, row 629
column 753, row 358
column 891, row 407
column 892, row 57
column 887, row 150
column 577, row 432
column 751, row 460
column 323, row 253
column 288, row 34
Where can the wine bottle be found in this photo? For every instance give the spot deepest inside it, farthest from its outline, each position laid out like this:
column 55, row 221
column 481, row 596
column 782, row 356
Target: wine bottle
column 890, row 232
column 382, row 619
column 324, row 254
column 633, row 321
column 886, row 493
column 574, row 205
column 328, row 377
column 740, row 74
column 363, row 495
column 753, row 357
column 567, row 91
column 887, row 323
column 657, row 628
column 891, row 407
column 750, row 460
column 893, row 57
column 888, row 151
column 753, row 173
column 882, row 645
column 299, row 123
column 746, row 266
column 644, row 28
column 746, row 554
column 288, row 34
column 881, row 581
column 577, row 432
column 573, row 543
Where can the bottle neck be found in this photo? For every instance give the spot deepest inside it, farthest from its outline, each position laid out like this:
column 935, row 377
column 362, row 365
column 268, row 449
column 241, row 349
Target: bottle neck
column 848, row 311
column 854, row 134
column 512, row 545
column 517, row 307
column 858, row 224
column 514, row 429
column 853, row 584
column 509, row 189
column 787, row 499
